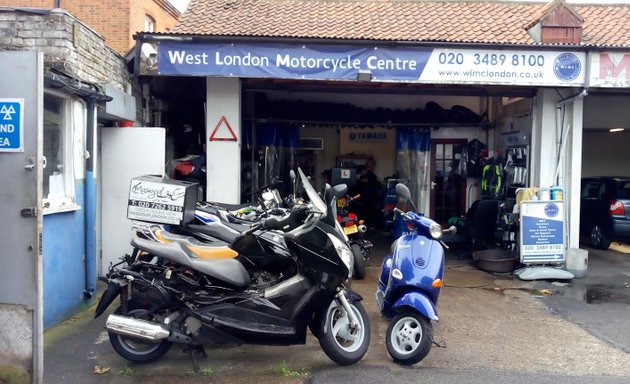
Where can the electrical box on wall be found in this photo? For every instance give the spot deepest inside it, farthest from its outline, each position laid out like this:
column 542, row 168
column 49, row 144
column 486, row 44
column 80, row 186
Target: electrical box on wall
column 312, row 143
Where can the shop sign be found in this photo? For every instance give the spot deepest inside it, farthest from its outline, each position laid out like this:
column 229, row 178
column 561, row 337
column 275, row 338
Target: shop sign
column 367, row 136
column 385, row 64
column 11, row 125
column 542, row 232
column 610, row 69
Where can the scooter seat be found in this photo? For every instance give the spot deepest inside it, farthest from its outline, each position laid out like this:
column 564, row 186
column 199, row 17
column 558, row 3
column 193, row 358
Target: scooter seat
column 200, row 250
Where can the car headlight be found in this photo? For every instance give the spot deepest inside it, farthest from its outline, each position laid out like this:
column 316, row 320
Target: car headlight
column 344, row 252
column 435, row 230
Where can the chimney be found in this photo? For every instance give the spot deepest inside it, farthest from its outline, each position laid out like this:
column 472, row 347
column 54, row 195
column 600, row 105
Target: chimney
column 556, row 23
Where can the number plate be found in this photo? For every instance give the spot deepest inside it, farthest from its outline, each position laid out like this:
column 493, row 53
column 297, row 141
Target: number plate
column 350, row 230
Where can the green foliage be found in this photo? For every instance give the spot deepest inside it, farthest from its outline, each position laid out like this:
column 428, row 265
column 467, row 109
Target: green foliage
column 282, row 369
column 127, row 371
column 14, row 375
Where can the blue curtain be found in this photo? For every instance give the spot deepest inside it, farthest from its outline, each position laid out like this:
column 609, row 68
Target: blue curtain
column 275, row 147
column 412, row 162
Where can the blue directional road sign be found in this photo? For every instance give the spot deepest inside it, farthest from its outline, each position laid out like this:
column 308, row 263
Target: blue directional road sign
column 11, row 125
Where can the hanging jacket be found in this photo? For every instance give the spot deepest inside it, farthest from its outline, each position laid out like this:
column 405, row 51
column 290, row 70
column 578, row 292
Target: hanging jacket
column 491, row 180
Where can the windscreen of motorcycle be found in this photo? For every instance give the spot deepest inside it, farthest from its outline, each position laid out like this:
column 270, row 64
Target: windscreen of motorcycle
column 311, row 193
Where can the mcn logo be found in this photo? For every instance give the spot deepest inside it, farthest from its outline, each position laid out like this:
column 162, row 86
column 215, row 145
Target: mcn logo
column 616, row 67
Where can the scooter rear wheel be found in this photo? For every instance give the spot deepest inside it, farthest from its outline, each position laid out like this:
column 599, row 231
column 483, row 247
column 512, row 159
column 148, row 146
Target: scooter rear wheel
column 133, row 349
column 409, row 337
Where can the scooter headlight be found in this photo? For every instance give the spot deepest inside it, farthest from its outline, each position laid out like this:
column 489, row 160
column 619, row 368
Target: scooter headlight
column 435, row 230
column 344, row 252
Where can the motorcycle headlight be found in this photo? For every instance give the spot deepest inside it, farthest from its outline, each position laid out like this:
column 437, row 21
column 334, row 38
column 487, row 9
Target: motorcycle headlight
column 344, row 252
column 435, row 230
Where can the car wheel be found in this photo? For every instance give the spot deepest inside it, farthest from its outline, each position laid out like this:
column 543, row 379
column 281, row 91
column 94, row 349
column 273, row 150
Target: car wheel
column 599, row 238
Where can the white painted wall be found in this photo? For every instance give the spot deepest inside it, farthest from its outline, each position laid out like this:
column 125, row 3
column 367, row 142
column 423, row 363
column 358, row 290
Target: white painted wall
column 603, row 112
column 551, row 119
column 605, row 153
column 120, row 162
column 223, row 99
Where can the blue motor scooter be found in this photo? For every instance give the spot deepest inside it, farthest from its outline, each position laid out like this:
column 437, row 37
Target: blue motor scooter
column 409, row 285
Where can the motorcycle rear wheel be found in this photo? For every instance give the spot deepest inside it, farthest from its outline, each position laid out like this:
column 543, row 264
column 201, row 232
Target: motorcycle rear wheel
column 359, row 262
column 343, row 345
column 409, row 337
column 133, row 349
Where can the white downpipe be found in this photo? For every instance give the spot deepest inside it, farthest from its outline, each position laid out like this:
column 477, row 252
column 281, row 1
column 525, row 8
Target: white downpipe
column 563, row 145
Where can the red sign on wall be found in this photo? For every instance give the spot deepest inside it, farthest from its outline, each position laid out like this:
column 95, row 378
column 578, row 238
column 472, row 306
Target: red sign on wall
column 223, row 134
column 611, row 69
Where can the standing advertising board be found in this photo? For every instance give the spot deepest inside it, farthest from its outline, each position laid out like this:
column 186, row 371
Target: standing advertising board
column 542, row 232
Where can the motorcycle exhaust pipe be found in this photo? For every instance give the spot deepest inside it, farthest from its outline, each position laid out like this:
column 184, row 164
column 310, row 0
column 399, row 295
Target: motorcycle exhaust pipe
column 142, row 329
column 362, row 228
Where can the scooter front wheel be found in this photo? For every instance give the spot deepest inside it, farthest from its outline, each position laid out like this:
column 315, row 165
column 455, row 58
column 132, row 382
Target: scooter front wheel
column 342, row 343
column 409, row 337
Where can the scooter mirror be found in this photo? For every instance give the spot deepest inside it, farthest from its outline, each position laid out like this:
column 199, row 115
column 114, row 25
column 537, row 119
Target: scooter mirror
column 450, row 231
column 403, row 191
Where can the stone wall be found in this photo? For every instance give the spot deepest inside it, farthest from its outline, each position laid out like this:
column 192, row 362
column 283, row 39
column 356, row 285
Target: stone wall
column 68, row 45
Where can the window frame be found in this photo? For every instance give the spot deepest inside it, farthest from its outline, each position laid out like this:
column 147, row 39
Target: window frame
column 149, row 21
column 68, row 202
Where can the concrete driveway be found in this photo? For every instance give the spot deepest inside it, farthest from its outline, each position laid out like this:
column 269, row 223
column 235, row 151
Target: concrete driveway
column 487, row 322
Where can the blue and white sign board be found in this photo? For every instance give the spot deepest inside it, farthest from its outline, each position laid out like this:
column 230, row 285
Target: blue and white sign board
column 11, row 125
column 542, row 232
column 385, row 63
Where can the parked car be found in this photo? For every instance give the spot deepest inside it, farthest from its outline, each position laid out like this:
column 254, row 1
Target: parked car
column 605, row 210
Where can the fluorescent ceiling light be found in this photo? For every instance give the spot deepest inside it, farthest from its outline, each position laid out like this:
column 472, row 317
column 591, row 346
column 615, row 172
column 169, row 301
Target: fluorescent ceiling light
column 616, row 129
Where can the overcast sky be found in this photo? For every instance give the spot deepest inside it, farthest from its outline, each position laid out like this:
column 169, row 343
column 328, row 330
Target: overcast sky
column 180, row 4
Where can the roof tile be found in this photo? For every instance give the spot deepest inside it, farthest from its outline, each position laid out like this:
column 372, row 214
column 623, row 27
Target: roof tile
column 493, row 22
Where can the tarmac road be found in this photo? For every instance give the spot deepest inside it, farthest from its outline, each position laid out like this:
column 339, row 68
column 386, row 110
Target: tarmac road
column 494, row 330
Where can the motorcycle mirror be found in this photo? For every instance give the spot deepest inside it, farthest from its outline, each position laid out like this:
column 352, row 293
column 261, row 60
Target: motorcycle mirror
column 293, row 181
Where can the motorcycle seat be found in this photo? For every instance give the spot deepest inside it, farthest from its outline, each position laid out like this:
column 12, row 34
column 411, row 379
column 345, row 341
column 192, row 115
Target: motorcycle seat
column 226, row 269
column 199, row 249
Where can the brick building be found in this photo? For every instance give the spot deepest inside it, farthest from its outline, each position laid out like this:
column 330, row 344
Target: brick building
column 116, row 20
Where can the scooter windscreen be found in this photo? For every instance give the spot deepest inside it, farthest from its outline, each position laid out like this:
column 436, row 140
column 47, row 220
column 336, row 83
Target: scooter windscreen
column 311, row 193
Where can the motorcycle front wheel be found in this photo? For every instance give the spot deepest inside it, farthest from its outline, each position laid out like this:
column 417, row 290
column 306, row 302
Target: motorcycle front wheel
column 340, row 342
column 409, row 337
column 359, row 261
column 133, row 349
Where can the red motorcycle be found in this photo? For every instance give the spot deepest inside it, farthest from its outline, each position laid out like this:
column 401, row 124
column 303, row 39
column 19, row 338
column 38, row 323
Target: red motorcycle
column 355, row 230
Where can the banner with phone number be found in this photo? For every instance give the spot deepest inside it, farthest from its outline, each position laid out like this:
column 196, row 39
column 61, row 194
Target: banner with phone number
column 384, row 64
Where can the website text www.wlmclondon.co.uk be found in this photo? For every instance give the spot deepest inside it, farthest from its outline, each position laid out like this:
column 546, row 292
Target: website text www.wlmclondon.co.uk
column 500, row 74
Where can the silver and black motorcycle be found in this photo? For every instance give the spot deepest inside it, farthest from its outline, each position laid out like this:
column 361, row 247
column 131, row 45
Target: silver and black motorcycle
column 177, row 289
